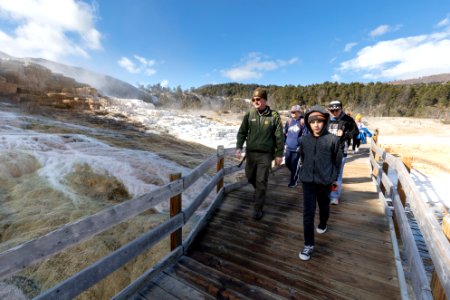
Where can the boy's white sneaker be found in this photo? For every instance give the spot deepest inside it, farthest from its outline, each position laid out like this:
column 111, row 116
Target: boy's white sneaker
column 306, row 252
column 321, row 231
column 334, row 201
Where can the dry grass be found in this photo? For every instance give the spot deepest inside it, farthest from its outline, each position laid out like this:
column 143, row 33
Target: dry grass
column 427, row 141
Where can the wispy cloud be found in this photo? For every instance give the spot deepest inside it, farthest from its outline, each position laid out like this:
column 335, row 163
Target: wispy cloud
column 444, row 22
column 49, row 29
column 164, row 83
column 380, row 30
column 253, row 67
column 128, row 65
column 349, row 46
column 336, row 77
column 402, row 58
column 138, row 65
column 383, row 29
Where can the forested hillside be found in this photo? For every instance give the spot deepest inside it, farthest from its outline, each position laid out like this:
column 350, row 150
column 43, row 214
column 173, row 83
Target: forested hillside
column 376, row 99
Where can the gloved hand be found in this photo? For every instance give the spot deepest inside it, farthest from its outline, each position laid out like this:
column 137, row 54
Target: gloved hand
column 334, row 186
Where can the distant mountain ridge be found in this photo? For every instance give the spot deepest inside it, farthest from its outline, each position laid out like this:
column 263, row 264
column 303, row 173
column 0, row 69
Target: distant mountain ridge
column 438, row 78
column 106, row 85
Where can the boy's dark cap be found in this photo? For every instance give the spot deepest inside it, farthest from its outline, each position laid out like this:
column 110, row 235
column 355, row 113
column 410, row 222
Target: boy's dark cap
column 315, row 115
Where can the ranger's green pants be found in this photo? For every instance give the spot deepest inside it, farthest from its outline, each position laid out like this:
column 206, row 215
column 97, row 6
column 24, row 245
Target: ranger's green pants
column 257, row 172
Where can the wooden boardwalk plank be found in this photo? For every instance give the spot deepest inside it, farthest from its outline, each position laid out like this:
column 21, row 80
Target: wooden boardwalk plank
column 167, row 286
column 237, row 257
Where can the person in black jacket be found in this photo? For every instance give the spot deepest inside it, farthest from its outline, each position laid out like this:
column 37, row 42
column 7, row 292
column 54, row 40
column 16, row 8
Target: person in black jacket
column 320, row 158
column 343, row 126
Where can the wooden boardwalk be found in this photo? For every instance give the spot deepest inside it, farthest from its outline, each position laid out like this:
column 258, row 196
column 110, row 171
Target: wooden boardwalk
column 237, row 257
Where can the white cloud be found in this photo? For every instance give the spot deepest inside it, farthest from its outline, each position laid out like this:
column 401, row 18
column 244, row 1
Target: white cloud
column 253, row 67
column 150, row 72
column 49, row 29
column 380, row 30
column 403, row 58
column 383, row 29
column 164, row 83
column 444, row 22
column 335, row 77
column 140, row 65
column 144, row 61
column 349, row 46
column 128, row 65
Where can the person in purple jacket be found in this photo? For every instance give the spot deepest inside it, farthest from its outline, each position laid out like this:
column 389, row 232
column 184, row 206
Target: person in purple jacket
column 293, row 133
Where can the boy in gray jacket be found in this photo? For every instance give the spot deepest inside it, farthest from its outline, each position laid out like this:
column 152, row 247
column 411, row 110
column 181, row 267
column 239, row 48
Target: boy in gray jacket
column 320, row 157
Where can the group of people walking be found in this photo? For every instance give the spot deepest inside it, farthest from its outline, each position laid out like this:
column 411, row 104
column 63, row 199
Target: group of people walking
column 315, row 146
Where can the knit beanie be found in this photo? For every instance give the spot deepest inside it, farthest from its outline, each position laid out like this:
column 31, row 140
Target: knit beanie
column 315, row 115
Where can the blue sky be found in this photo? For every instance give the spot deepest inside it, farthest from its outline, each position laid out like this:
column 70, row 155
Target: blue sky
column 193, row 43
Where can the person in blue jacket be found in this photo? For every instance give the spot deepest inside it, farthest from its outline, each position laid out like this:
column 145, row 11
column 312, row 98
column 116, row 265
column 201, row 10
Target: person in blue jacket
column 360, row 138
column 293, row 133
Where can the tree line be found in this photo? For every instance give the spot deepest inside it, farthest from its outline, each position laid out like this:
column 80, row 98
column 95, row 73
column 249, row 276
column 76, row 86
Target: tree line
column 375, row 99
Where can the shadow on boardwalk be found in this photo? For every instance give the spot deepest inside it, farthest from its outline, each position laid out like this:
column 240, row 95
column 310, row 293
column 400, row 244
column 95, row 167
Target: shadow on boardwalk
column 237, row 257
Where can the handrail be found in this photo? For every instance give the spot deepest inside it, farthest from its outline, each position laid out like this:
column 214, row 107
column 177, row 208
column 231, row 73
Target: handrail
column 127, row 292
column 398, row 262
column 81, row 281
column 31, row 252
column 36, row 250
column 437, row 244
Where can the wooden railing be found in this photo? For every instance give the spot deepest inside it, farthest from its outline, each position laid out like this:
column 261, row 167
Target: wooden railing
column 395, row 197
column 36, row 250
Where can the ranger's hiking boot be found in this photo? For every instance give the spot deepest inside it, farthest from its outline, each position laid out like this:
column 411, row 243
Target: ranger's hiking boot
column 258, row 214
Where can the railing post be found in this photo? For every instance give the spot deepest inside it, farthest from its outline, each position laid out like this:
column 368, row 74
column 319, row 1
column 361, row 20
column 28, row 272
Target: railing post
column 385, row 167
column 375, row 141
column 407, row 161
column 375, row 136
column 175, row 208
column 376, row 157
column 220, row 164
column 436, row 287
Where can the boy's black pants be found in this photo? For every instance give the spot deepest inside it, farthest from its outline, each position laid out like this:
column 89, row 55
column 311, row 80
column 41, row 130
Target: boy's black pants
column 313, row 193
